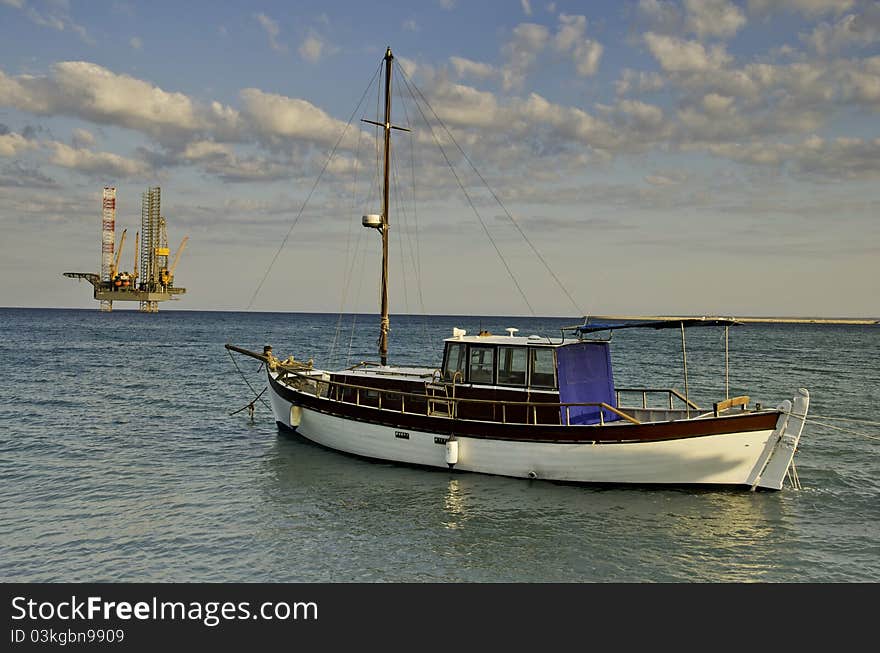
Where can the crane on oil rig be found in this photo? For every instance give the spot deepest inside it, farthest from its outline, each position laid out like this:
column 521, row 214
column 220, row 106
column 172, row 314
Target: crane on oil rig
column 166, row 275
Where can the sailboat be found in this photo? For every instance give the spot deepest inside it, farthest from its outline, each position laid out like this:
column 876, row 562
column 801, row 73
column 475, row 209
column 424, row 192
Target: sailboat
column 532, row 407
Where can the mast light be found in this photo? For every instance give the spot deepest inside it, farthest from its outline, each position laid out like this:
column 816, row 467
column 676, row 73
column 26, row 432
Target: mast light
column 373, row 221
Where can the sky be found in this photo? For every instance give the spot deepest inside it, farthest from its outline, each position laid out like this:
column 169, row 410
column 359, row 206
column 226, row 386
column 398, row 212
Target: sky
column 699, row 157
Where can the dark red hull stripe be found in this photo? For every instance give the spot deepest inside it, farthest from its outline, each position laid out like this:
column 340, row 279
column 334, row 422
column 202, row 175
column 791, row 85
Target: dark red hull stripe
column 621, row 432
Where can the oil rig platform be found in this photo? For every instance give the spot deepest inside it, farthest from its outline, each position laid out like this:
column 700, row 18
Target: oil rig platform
column 156, row 280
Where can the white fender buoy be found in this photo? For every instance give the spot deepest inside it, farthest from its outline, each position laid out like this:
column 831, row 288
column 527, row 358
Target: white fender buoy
column 295, row 416
column 451, row 452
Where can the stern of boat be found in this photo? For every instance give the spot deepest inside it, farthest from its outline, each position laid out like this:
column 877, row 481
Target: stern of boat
column 777, row 459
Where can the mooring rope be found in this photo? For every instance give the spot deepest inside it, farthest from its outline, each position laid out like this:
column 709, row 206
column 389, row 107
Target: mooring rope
column 820, row 424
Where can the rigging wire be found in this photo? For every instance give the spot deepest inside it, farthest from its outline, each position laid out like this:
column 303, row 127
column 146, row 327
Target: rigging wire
column 417, row 257
column 314, row 186
column 403, row 231
column 464, row 190
column 349, row 268
column 498, row 200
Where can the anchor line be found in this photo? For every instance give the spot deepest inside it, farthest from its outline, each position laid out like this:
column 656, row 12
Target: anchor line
column 250, row 406
column 244, row 378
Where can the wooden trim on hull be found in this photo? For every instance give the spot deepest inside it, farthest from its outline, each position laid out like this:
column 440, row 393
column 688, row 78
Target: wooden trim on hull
column 620, row 432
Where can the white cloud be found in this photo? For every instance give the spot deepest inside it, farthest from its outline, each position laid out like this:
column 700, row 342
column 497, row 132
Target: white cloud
column 82, row 138
column 56, row 16
column 570, row 38
column 639, row 81
column 136, row 43
column 840, row 158
column 717, row 105
column 311, row 48
column 277, row 116
column 201, row 150
column 467, row 68
column 571, row 30
column 713, row 18
column 94, row 93
column 669, row 178
column 586, row 57
column 272, row 31
column 857, row 30
column 102, row 163
column 679, row 55
column 410, row 25
column 526, row 7
column 807, row 7
column 521, row 52
column 660, row 16
column 448, row 4
column 13, row 144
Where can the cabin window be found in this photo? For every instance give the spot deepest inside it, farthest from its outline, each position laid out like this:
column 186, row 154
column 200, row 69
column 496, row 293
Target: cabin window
column 542, row 368
column 482, row 365
column 512, row 365
column 454, row 362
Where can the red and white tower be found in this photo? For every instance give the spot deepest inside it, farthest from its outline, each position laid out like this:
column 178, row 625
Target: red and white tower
column 108, row 238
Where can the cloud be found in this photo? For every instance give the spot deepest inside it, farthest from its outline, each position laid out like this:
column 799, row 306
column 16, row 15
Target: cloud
column 203, row 150
column 840, row 158
column 94, row 93
column 679, row 55
column 467, row 68
column 410, row 25
column 713, row 18
column 96, row 163
column 639, row 81
column 57, row 17
column 136, row 43
column 310, row 49
column 810, row 8
column 669, row 178
column 21, row 175
column 82, row 138
column 861, row 84
column 448, row 4
column 275, row 117
column 857, row 30
column 272, row 31
column 526, row 7
column 660, row 16
column 12, row 144
column 570, row 38
column 521, row 53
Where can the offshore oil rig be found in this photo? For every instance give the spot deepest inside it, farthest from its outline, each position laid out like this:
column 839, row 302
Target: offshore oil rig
column 155, row 283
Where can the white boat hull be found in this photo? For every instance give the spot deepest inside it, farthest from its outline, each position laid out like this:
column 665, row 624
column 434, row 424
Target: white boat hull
column 752, row 459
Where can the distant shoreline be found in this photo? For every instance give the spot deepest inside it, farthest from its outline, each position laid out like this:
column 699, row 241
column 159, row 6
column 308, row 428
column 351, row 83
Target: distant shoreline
column 857, row 321
column 749, row 320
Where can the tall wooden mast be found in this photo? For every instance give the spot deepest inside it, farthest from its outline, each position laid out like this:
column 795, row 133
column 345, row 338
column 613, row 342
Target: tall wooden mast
column 384, row 324
column 381, row 222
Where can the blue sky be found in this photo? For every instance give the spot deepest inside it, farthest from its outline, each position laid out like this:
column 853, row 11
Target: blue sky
column 662, row 156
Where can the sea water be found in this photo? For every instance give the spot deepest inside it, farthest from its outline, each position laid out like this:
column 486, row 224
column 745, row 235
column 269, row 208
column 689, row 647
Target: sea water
column 121, row 460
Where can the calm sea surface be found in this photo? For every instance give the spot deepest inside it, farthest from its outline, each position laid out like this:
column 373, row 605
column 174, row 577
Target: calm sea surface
column 119, row 461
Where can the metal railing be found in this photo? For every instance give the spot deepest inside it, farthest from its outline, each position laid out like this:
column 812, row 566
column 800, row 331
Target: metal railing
column 419, row 403
column 671, row 394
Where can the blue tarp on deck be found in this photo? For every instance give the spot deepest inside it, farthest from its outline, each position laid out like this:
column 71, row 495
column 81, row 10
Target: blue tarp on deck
column 584, row 373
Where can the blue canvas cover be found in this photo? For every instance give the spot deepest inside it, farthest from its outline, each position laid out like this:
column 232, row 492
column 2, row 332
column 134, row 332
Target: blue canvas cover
column 584, row 373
